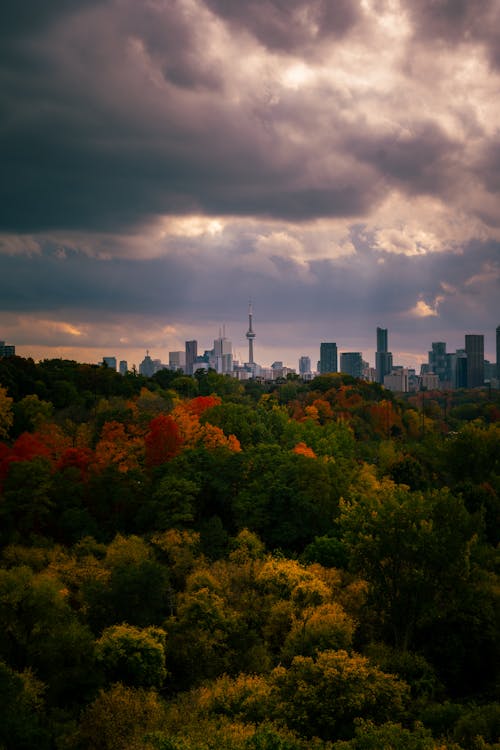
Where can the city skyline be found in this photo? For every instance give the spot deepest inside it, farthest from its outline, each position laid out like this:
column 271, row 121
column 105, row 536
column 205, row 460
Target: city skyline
column 164, row 162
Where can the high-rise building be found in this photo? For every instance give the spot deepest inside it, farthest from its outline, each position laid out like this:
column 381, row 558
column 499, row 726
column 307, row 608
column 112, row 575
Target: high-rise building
column 109, row 362
column 223, row 355
column 191, row 354
column 328, row 358
column 460, row 376
column 352, row 364
column 147, row 367
column 304, row 365
column 438, row 362
column 177, row 360
column 250, row 334
column 7, row 350
column 474, row 348
column 123, row 367
column 498, row 352
column 383, row 357
column 382, row 340
column 397, row 380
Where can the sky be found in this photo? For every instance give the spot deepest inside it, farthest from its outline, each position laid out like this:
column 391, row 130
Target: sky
column 165, row 161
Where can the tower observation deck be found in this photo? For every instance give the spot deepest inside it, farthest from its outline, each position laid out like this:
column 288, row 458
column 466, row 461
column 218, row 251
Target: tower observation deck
column 250, row 334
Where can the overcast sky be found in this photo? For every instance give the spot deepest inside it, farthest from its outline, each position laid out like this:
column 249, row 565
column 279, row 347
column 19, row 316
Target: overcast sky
column 164, row 161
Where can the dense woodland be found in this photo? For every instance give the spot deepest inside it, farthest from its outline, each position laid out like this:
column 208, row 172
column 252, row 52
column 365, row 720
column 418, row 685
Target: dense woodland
column 202, row 564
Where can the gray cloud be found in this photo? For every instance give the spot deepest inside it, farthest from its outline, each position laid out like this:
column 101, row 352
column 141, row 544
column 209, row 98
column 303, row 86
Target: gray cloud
column 290, row 25
column 350, row 185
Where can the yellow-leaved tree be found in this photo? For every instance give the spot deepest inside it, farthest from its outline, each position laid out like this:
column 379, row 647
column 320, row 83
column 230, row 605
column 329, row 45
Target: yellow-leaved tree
column 6, row 417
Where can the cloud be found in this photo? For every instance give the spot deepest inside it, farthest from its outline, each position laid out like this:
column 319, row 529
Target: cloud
column 164, row 161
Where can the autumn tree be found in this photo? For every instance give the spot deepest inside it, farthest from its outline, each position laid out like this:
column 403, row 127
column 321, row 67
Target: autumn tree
column 133, row 656
column 6, row 416
column 163, row 441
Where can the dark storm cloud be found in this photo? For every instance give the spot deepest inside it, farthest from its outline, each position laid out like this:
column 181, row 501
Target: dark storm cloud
column 21, row 19
column 290, row 25
column 451, row 22
column 49, row 282
column 420, row 159
column 89, row 141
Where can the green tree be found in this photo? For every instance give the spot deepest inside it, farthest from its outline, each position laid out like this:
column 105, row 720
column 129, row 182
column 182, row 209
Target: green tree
column 120, row 718
column 132, row 655
column 23, row 724
column 6, row 416
column 324, row 696
column 414, row 550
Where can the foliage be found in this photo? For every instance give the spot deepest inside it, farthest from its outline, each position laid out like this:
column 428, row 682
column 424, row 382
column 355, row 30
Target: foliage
column 193, row 563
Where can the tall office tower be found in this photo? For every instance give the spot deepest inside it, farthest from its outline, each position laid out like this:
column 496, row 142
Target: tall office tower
column 498, row 352
column 123, row 367
column 191, row 354
column 109, row 362
column 304, row 365
column 383, row 357
column 250, row 335
column 176, row 360
column 460, row 379
column 147, row 367
column 327, row 358
column 382, row 340
column 352, row 364
column 223, row 355
column 474, row 348
column 7, row 350
column 437, row 360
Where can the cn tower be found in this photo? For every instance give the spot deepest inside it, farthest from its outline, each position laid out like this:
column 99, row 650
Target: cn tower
column 250, row 335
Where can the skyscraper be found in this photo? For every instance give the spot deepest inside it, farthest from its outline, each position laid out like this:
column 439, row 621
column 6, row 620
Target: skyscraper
column 474, row 348
column 352, row 364
column 438, row 361
column 109, row 362
column 383, row 357
column 191, row 354
column 7, row 350
column 177, row 360
column 304, row 365
column 250, row 335
column 223, row 355
column 327, row 358
column 147, row 367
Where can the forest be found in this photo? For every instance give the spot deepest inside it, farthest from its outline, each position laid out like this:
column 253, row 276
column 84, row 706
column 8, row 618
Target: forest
column 198, row 563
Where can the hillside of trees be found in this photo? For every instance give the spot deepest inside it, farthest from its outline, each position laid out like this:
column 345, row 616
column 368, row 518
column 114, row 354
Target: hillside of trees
column 203, row 564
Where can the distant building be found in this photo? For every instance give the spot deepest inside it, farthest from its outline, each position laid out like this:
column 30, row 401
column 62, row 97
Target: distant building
column 304, row 366
column 474, row 348
column 352, row 364
column 328, row 358
column 438, row 362
column 490, row 371
column 250, row 335
column 383, row 357
column 397, row 380
column 177, row 360
column 223, row 355
column 429, row 381
column 460, row 369
column 7, row 350
column 109, row 362
column 190, row 356
column 123, row 367
column 147, row 367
